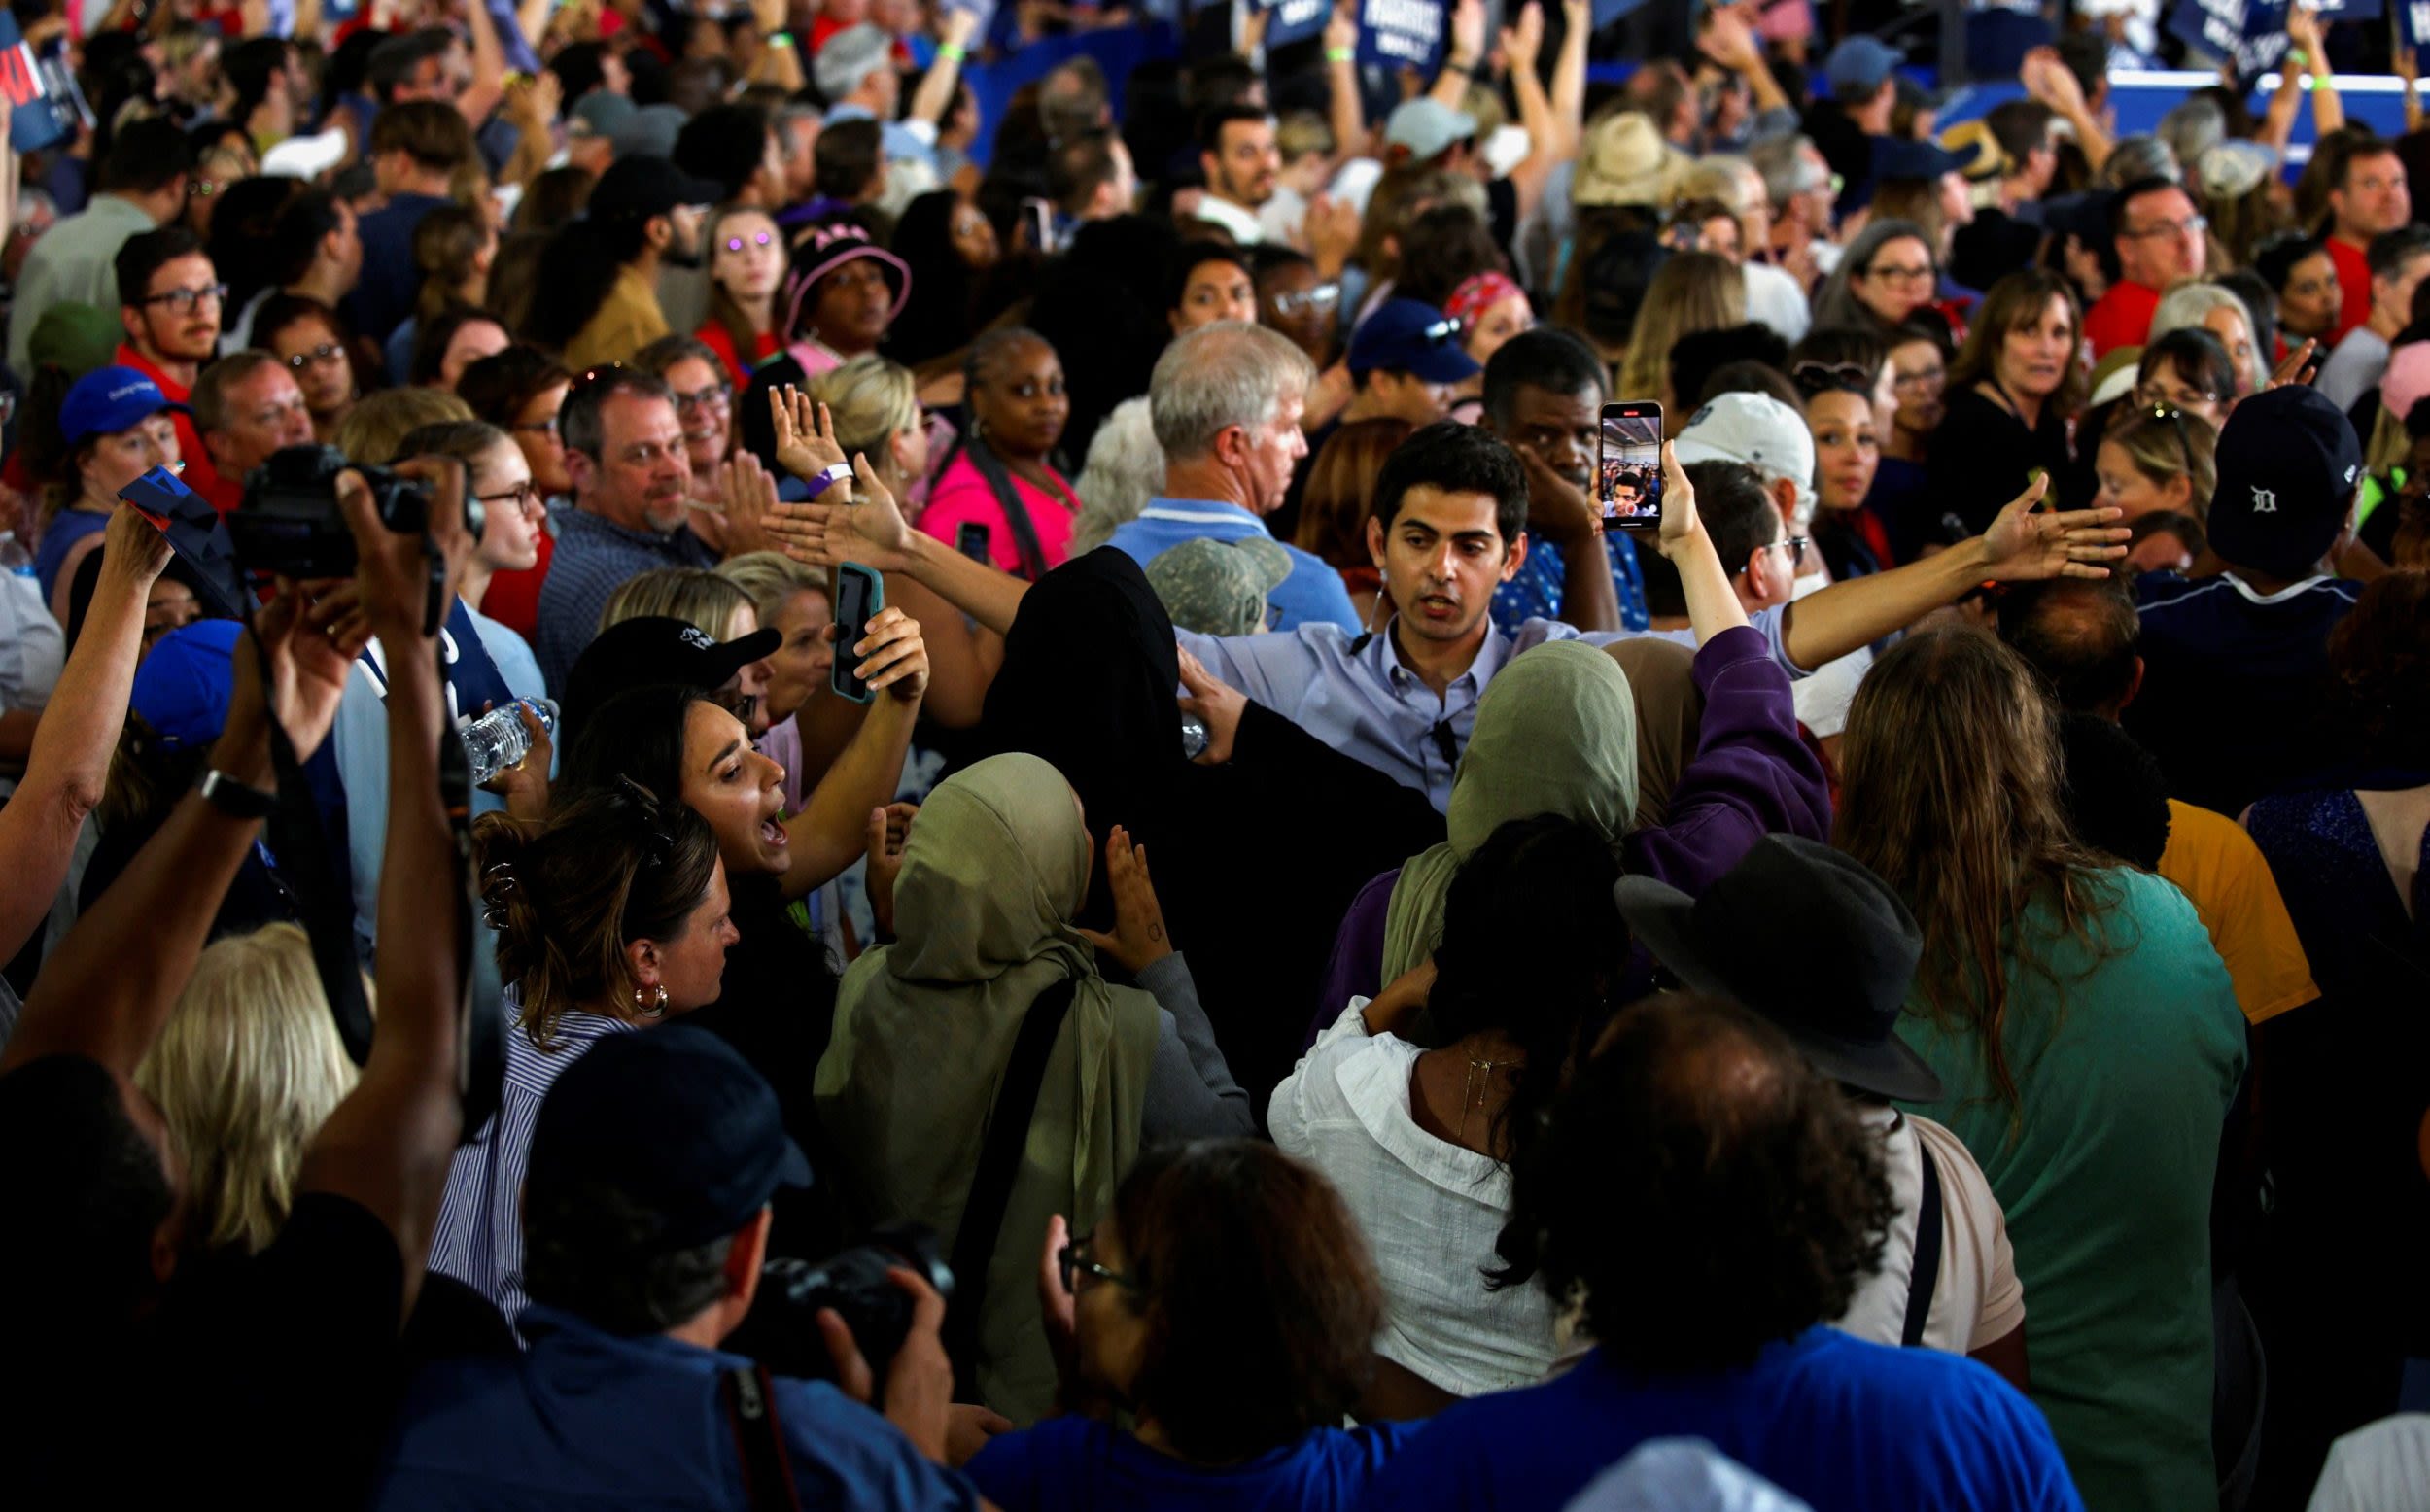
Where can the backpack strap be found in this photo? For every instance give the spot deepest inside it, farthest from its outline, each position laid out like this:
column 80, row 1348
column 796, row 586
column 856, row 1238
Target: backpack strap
column 750, row 1398
column 991, row 1186
column 1926, row 1273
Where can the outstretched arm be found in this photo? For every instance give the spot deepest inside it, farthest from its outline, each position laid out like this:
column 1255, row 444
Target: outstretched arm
column 831, row 830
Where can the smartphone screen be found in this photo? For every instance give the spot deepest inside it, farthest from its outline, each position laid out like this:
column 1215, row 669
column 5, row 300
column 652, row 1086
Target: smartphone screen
column 858, row 593
column 973, row 540
column 1628, row 465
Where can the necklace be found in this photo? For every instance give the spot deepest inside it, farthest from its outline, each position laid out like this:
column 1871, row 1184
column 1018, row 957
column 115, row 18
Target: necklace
column 1476, row 1084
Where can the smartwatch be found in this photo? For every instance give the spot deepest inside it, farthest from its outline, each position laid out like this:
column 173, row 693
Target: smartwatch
column 828, row 477
column 237, row 800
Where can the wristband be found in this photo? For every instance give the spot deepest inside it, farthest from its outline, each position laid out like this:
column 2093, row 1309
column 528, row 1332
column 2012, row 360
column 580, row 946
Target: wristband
column 1341, row 54
column 952, row 52
column 237, row 800
column 1455, row 66
column 828, row 477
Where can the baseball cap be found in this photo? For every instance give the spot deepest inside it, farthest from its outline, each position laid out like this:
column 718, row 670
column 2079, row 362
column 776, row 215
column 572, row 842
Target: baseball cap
column 108, row 400
column 2288, row 463
column 183, row 687
column 1861, row 62
column 1810, row 939
column 653, row 649
column 599, row 114
column 1904, row 157
column 651, row 132
column 2233, row 169
column 1978, row 152
column 1218, row 587
column 674, row 1121
column 1410, row 337
column 306, row 157
column 849, row 56
column 644, row 185
column 75, row 338
column 1625, row 161
column 1428, row 128
column 1755, row 428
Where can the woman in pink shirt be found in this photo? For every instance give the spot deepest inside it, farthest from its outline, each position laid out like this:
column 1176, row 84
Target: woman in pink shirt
column 998, row 477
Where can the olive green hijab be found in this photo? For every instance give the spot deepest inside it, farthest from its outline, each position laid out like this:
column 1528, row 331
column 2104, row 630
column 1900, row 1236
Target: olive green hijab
column 1557, row 732
column 995, row 866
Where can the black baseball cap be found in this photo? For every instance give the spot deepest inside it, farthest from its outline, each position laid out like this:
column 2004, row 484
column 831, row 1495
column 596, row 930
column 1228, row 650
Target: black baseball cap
column 654, row 649
column 641, row 187
column 1810, row 939
column 673, row 1121
column 2288, row 464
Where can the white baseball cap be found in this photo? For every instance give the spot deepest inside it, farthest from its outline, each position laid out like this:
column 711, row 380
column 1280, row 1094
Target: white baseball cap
column 1755, row 428
column 306, row 157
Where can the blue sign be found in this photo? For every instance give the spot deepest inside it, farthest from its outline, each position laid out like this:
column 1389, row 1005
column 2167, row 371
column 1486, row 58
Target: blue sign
column 1401, row 34
column 1609, row 10
column 45, row 105
column 1296, row 20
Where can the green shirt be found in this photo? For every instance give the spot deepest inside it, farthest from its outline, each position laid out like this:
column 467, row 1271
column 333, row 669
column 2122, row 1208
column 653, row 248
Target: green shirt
column 2126, row 1048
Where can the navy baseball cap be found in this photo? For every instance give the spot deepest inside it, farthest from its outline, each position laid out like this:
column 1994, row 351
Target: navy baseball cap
column 1904, row 157
column 1861, row 62
column 673, row 1121
column 183, row 688
column 108, row 400
column 2288, row 464
column 1410, row 337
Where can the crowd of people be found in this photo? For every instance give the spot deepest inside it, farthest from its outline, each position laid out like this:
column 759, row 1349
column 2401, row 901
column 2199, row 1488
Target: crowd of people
column 728, row 785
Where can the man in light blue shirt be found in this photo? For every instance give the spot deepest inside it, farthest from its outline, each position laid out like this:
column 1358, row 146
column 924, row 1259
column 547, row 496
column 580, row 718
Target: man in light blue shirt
column 1226, row 401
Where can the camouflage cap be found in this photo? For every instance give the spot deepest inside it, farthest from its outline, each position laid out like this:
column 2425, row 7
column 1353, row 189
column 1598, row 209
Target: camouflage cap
column 1219, row 587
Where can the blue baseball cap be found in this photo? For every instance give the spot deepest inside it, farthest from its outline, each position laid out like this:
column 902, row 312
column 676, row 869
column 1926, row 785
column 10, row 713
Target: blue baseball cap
column 676, row 1123
column 1860, row 63
column 1410, row 337
column 1904, row 157
column 108, row 400
column 182, row 690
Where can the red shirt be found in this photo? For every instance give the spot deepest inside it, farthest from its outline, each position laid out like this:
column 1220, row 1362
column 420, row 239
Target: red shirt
column 199, row 475
column 717, row 339
column 2353, row 289
column 2121, row 318
column 513, row 599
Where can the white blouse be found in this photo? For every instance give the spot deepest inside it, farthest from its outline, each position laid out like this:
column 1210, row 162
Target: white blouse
column 1431, row 1211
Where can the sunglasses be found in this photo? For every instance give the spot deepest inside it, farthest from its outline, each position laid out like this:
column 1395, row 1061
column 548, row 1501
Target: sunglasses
column 1824, row 377
column 1294, row 301
column 1073, row 1261
column 738, row 243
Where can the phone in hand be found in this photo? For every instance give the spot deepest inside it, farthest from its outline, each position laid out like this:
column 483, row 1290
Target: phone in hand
column 860, row 593
column 1628, row 465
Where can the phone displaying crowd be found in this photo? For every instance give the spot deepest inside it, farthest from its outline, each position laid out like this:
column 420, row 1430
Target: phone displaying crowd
column 1628, row 465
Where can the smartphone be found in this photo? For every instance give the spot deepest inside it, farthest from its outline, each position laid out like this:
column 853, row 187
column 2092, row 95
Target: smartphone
column 974, row 541
column 1628, row 465
column 860, row 593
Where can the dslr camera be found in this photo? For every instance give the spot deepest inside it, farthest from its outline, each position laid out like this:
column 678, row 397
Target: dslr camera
column 290, row 525
column 781, row 1332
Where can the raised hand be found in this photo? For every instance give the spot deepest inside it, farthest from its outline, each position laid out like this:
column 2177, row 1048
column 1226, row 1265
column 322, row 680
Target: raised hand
column 1138, row 940
column 868, row 528
column 2025, row 543
column 525, row 784
column 1523, row 43
column 749, row 491
column 310, row 633
column 804, row 433
column 885, row 836
column 2301, row 366
column 1468, row 31
column 1679, row 523
column 1341, row 28
column 132, row 550
column 893, row 655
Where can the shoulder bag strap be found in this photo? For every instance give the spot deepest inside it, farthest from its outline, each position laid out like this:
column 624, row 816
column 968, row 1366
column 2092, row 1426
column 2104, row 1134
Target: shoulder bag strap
column 1925, row 1275
column 992, row 1187
column 1016, row 512
column 750, row 1402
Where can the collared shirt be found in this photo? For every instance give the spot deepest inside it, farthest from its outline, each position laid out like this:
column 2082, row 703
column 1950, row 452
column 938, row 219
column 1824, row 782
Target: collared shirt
column 1239, row 220
column 1535, row 590
column 73, row 263
column 1356, row 695
column 1312, row 595
column 627, row 320
column 592, row 1419
column 593, row 559
column 2121, row 318
column 479, row 1237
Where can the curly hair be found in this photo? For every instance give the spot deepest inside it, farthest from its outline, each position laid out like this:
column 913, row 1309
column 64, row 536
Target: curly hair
column 1698, row 1121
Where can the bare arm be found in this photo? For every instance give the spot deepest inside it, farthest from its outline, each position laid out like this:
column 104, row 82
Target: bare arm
column 72, row 743
column 1342, row 78
column 1713, row 605
column 936, row 89
column 1547, row 137
column 1466, row 56
column 2304, row 31
column 489, row 66
column 831, row 830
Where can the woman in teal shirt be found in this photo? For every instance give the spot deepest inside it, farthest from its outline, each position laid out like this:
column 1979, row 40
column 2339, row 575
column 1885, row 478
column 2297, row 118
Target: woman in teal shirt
column 2089, row 1040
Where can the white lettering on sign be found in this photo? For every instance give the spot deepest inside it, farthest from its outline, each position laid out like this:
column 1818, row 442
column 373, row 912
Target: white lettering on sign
column 1297, row 13
column 1406, row 29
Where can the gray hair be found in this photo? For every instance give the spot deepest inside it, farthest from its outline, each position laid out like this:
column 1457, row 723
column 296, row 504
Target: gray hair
column 2191, row 127
column 851, row 57
column 1785, row 174
column 2190, row 304
column 1125, row 468
column 1231, row 373
column 2138, row 158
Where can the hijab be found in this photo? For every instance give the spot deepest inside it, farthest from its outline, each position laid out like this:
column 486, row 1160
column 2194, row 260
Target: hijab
column 1557, row 732
column 993, row 870
column 1670, row 707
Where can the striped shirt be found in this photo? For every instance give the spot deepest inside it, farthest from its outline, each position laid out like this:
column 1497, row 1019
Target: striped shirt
column 480, row 1238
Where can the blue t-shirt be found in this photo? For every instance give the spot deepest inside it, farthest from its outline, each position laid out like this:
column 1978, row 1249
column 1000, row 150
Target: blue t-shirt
column 1312, row 595
column 1836, row 1421
column 1085, row 1466
column 65, row 529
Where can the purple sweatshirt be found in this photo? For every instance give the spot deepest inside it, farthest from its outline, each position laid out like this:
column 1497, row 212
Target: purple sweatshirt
column 1753, row 775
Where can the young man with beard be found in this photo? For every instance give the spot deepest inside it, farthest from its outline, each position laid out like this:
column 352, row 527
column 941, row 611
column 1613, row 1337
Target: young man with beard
column 171, row 300
column 1237, row 149
column 649, row 212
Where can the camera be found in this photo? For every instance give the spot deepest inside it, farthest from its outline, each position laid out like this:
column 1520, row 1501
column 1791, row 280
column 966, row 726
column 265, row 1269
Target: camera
column 781, row 1332
column 290, row 525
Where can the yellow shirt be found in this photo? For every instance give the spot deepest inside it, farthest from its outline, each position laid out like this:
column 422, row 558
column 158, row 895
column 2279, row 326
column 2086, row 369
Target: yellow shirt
column 2219, row 868
column 626, row 320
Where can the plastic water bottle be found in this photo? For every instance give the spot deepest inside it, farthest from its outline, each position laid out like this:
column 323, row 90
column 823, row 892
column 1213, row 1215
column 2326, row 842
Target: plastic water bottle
column 13, row 557
column 498, row 739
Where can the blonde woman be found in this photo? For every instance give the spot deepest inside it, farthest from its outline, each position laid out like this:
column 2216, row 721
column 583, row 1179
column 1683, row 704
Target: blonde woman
column 2212, row 308
column 1693, row 292
column 246, row 1069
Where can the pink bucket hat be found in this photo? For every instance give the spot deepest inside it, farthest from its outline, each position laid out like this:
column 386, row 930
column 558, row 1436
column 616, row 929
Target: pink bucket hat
column 823, row 250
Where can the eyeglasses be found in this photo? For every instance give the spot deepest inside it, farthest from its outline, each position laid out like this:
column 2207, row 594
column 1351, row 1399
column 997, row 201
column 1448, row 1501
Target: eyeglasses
column 1296, row 301
column 738, row 243
column 1073, row 1258
column 1929, row 378
column 1794, row 546
column 522, row 495
column 547, row 427
column 2191, row 225
column 1888, row 275
column 184, row 300
column 716, row 395
column 325, row 351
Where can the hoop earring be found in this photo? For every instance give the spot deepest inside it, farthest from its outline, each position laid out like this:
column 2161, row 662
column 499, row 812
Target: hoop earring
column 652, row 1009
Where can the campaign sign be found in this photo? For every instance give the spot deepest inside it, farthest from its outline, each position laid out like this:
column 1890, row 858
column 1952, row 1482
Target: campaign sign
column 2412, row 19
column 1402, row 33
column 2228, row 28
column 45, row 106
column 1296, row 20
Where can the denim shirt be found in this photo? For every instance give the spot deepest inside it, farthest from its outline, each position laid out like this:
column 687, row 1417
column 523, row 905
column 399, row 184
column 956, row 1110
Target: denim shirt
column 1535, row 591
